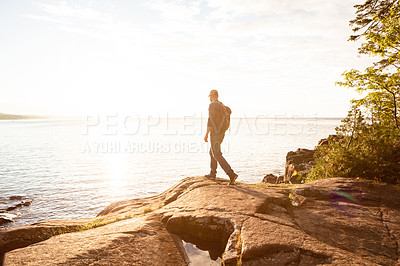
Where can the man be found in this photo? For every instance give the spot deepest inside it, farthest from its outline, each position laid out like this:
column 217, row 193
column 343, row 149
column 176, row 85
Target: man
column 216, row 116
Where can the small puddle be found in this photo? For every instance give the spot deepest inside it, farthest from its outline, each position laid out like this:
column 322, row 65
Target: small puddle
column 202, row 252
column 198, row 257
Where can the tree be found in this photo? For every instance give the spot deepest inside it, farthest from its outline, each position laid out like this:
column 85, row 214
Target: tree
column 383, row 96
column 378, row 22
column 369, row 143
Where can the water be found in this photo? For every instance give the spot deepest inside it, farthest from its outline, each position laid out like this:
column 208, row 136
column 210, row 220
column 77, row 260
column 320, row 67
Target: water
column 74, row 168
column 198, row 256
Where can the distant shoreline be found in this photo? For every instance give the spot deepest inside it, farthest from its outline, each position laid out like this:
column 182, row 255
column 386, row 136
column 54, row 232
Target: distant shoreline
column 17, row 117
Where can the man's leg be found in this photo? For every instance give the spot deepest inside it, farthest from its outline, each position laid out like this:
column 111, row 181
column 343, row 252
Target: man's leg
column 217, row 154
column 213, row 164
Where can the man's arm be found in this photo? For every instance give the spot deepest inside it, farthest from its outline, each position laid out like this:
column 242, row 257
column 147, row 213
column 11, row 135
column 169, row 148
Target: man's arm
column 211, row 111
column 208, row 131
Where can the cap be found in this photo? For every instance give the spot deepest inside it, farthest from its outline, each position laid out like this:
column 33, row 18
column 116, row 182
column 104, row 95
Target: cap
column 213, row 92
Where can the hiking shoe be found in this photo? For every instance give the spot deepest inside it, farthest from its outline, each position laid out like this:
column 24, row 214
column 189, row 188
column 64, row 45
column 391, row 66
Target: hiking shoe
column 212, row 177
column 232, row 179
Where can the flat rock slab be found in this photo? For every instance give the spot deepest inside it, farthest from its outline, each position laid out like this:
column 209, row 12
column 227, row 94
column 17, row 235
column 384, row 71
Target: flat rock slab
column 137, row 241
column 218, row 197
column 333, row 221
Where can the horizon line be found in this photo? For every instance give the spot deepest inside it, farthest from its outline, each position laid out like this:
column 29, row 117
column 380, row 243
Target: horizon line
column 6, row 116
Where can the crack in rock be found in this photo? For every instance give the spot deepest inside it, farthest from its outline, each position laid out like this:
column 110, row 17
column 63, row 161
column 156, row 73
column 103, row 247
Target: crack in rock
column 234, row 247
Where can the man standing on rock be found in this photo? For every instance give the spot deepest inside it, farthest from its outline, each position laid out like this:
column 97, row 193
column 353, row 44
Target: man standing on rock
column 217, row 124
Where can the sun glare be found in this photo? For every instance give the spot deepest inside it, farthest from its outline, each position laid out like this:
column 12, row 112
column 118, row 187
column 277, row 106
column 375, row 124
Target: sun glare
column 117, row 168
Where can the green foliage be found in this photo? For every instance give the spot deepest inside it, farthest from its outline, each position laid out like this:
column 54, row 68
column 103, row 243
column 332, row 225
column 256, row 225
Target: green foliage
column 383, row 95
column 363, row 150
column 368, row 145
column 377, row 21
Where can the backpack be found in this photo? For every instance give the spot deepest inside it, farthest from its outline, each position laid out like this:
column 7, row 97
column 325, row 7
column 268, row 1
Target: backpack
column 226, row 121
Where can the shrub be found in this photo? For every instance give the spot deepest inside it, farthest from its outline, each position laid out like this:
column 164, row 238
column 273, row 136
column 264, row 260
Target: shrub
column 366, row 150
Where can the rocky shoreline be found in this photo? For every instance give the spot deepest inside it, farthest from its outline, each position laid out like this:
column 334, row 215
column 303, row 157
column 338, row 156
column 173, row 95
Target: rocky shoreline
column 298, row 164
column 331, row 221
column 10, row 206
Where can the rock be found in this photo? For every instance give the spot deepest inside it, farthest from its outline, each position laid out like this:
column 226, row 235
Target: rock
column 322, row 142
column 7, row 218
column 26, row 202
column 21, row 201
column 4, row 220
column 9, row 207
column 332, row 221
column 330, row 138
column 298, row 165
column 300, row 162
column 137, row 241
column 17, row 197
column 273, row 179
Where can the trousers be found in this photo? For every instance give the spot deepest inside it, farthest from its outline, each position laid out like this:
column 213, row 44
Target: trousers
column 216, row 155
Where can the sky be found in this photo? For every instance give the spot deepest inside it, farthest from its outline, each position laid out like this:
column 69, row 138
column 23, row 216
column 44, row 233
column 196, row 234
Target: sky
column 265, row 57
